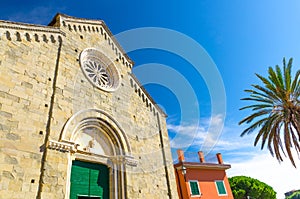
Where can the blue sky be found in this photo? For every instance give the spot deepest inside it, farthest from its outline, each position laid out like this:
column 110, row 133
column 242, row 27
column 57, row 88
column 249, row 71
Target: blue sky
column 241, row 37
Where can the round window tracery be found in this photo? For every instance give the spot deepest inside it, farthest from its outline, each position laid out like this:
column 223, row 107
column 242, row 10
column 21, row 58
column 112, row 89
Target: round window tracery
column 99, row 70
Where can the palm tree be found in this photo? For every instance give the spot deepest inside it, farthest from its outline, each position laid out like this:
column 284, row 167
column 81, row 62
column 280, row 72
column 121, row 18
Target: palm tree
column 276, row 111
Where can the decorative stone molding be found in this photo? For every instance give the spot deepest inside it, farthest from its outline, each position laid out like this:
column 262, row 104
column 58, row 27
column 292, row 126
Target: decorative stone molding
column 71, row 147
column 15, row 35
column 61, row 146
column 145, row 97
column 128, row 160
column 30, row 27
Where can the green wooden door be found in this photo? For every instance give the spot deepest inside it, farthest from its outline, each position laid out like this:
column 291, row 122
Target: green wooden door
column 89, row 181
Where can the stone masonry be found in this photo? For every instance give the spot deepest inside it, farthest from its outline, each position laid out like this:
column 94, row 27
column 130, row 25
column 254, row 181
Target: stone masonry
column 42, row 94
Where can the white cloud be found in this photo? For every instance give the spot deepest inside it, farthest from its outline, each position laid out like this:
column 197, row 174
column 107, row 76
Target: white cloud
column 231, row 142
column 205, row 134
column 186, row 135
column 282, row 177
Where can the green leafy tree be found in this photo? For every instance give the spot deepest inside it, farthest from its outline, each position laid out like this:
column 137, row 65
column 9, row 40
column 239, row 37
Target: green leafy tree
column 276, row 111
column 245, row 187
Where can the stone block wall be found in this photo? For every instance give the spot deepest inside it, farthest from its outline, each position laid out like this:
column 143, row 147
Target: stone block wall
column 27, row 63
column 42, row 86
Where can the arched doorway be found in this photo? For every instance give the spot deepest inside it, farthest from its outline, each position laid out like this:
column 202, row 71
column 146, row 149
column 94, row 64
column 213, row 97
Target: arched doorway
column 98, row 146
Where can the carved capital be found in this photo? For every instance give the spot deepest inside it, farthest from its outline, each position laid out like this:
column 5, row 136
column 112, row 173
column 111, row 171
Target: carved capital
column 128, row 160
column 61, row 146
column 117, row 159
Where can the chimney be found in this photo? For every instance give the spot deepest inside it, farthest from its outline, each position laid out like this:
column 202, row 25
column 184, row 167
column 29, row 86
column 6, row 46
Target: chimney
column 220, row 159
column 201, row 157
column 180, row 155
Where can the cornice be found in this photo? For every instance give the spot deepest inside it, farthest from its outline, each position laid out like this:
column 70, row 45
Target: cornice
column 72, row 148
column 30, row 27
column 80, row 20
column 207, row 166
column 61, row 146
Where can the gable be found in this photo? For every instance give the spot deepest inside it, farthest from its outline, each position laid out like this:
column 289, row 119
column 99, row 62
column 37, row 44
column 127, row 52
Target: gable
column 98, row 27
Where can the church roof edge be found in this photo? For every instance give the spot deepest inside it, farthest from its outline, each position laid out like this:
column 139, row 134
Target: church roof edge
column 92, row 22
column 30, row 27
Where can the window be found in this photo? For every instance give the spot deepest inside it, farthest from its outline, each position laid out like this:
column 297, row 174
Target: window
column 194, row 188
column 99, row 70
column 221, row 188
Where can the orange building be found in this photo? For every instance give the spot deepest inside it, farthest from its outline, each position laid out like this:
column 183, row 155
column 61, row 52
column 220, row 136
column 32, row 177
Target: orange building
column 202, row 180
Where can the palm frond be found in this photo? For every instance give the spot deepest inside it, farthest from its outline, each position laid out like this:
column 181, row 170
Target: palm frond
column 265, row 128
column 255, row 115
column 254, row 126
column 270, row 141
column 277, row 145
column 276, row 83
column 279, row 76
column 288, row 143
column 295, row 81
column 287, row 75
column 258, row 100
column 295, row 140
column 268, row 93
column 256, row 106
column 268, row 84
column 264, row 131
column 295, row 123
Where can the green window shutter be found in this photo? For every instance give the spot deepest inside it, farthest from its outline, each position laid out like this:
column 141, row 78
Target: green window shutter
column 194, row 188
column 221, row 188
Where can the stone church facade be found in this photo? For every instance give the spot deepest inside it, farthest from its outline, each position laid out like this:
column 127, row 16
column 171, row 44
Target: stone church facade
column 75, row 122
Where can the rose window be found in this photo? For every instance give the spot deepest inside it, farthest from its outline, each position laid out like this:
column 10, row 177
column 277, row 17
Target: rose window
column 97, row 73
column 99, row 70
